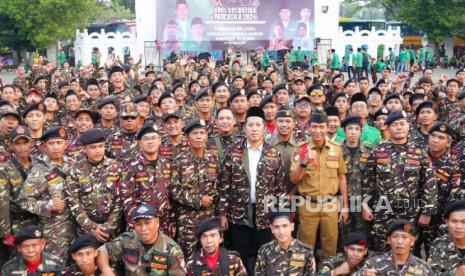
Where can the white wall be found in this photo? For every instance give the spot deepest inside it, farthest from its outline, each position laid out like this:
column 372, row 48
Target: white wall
column 146, row 26
column 326, row 24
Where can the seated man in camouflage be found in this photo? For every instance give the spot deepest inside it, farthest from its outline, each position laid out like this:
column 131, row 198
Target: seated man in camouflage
column 31, row 258
column 146, row 251
column 84, row 253
column 349, row 261
column 284, row 255
column 210, row 258
column 447, row 254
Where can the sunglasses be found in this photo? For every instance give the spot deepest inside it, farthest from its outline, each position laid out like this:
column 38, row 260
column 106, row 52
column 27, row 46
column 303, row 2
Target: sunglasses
column 128, row 118
column 317, row 93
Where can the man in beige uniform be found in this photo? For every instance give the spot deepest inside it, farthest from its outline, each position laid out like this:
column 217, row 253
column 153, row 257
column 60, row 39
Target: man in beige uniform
column 318, row 170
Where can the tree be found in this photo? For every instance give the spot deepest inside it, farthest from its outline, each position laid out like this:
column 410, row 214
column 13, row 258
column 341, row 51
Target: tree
column 38, row 24
column 114, row 11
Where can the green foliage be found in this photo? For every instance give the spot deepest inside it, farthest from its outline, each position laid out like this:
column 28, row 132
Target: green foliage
column 114, row 11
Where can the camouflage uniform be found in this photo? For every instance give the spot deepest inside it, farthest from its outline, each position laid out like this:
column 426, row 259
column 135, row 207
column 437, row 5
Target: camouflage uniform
column 164, row 257
column 296, row 260
column 122, row 146
column 73, row 270
column 444, row 256
column 5, row 154
column 23, row 83
column 219, row 143
column 333, row 262
column 50, row 266
column 192, row 178
column 149, row 182
column 446, row 107
column 200, row 266
column 300, row 132
column 171, row 151
column 109, row 131
column 91, row 193
column 413, row 184
column 417, row 137
column 126, row 95
column 234, row 187
column 74, row 149
column 211, row 128
column 45, row 182
column 69, row 123
column 385, row 265
column 55, row 122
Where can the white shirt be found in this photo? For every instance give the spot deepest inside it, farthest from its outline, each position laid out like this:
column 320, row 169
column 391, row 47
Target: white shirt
column 254, row 157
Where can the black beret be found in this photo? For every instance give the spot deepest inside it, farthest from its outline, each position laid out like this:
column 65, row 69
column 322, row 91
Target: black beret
column 142, row 98
column 381, row 81
column 460, row 71
column 338, row 95
column 176, row 114
column 53, row 133
column 461, row 95
column 144, row 211
column 355, row 238
column 5, row 102
column 62, row 84
column 107, row 100
column 272, row 216
column 90, row 82
column 82, row 242
column 70, row 93
column 403, row 225
column 318, row 117
column 93, row 115
column 146, row 129
column 315, row 87
column 416, row 96
column 382, row 111
column 279, row 87
column 177, row 85
column 51, row 95
column 39, row 78
column 30, row 232
column 201, row 94
column 352, row 120
column 20, row 132
column 375, row 90
column 238, row 77
column 35, row 106
column 266, row 100
column 208, row 224
column 11, row 112
column 394, row 116
column 255, row 112
column 295, row 67
column 217, row 85
column 236, row 94
column 424, row 105
column 455, row 206
column 267, row 79
column 442, row 127
column 332, row 111
column 251, row 93
column 115, row 69
column 165, row 96
column 390, row 97
column 285, row 111
column 358, row 97
column 92, row 136
column 194, row 124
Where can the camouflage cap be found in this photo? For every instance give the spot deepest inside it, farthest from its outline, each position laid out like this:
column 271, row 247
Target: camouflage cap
column 20, row 132
column 128, row 109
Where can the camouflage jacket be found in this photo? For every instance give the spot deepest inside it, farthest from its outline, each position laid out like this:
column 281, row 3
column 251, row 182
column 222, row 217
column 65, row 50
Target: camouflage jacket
column 333, row 262
column 109, row 131
column 296, row 260
column 50, row 266
column 73, row 270
column 300, row 132
column 200, row 266
column 446, row 107
column 219, row 143
column 69, row 123
column 148, row 182
column 234, row 184
column 165, row 256
column 122, row 146
column 402, row 173
column 171, row 151
column 417, row 137
column 91, row 193
column 126, row 95
column 23, row 83
column 385, row 265
column 74, row 149
column 444, row 257
column 354, row 171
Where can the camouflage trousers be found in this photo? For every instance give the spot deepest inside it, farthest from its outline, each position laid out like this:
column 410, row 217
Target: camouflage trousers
column 426, row 235
column 58, row 236
column 188, row 222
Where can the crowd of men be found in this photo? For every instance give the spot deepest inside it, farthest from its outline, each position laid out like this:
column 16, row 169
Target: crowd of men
column 234, row 167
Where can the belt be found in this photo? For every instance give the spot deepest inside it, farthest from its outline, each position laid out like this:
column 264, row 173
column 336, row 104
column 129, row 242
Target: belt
column 324, row 200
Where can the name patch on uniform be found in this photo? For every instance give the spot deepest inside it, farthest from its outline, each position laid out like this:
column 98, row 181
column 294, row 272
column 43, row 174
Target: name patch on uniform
column 83, row 180
column 383, row 161
column 298, row 256
column 16, row 181
column 412, row 162
column 382, row 154
column 142, row 179
column 297, row 263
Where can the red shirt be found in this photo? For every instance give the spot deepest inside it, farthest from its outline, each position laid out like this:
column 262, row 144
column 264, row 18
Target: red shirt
column 271, row 127
column 212, row 260
column 32, row 267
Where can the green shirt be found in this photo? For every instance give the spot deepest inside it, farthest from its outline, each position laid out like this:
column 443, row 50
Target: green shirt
column 380, row 66
column 314, row 59
column 403, row 56
column 335, row 62
column 370, row 137
column 359, row 62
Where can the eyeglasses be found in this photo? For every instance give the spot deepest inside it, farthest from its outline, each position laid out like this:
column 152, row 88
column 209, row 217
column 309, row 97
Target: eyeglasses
column 128, row 118
column 303, row 104
column 316, row 93
column 150, row 138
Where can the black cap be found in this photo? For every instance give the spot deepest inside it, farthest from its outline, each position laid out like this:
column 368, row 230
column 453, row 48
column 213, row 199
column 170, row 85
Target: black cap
column 278, row 87
column 11, row 112
column 355, row 238
column 455, row 206
column 150, row 72
column 202, row 93
column 318, row 117
column 236, row 94
column 115, row 69
column 70, row 93
column 394, row 116
column 272, row 216
column 268, row 99
column 285, row 111
column 207, row 225
column 194, row 124
column 375, row 90
column 339, row 95
column 82, row 242
column 146, row 129
column 20, row 132
column 107, row 100
column 416, row 96
column 332, row 111
column 63, row 83
column 403, row 225
column 352, row 120
column 442, row 127
column 315, row 87
column 381, row 81
column 176, row 85
column 238, row 77
column 54, row 133
column 217, row 85
column 358, row 97
column 142, row 98
column 164, row 96
column 423, row 105
column 255, row 112
column 30, row 232
column 90, row 82
column 176, row 114
column 39, row 78
column 93, row 115
column 51, row 95
column 392, row 96
column 460, row 71
column 382, row 111
column 251, row 93
column 35, row 106
column 92, row 136
column 144, row 211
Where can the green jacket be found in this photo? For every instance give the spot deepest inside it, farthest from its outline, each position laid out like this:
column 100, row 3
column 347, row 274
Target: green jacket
column 370, row 137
